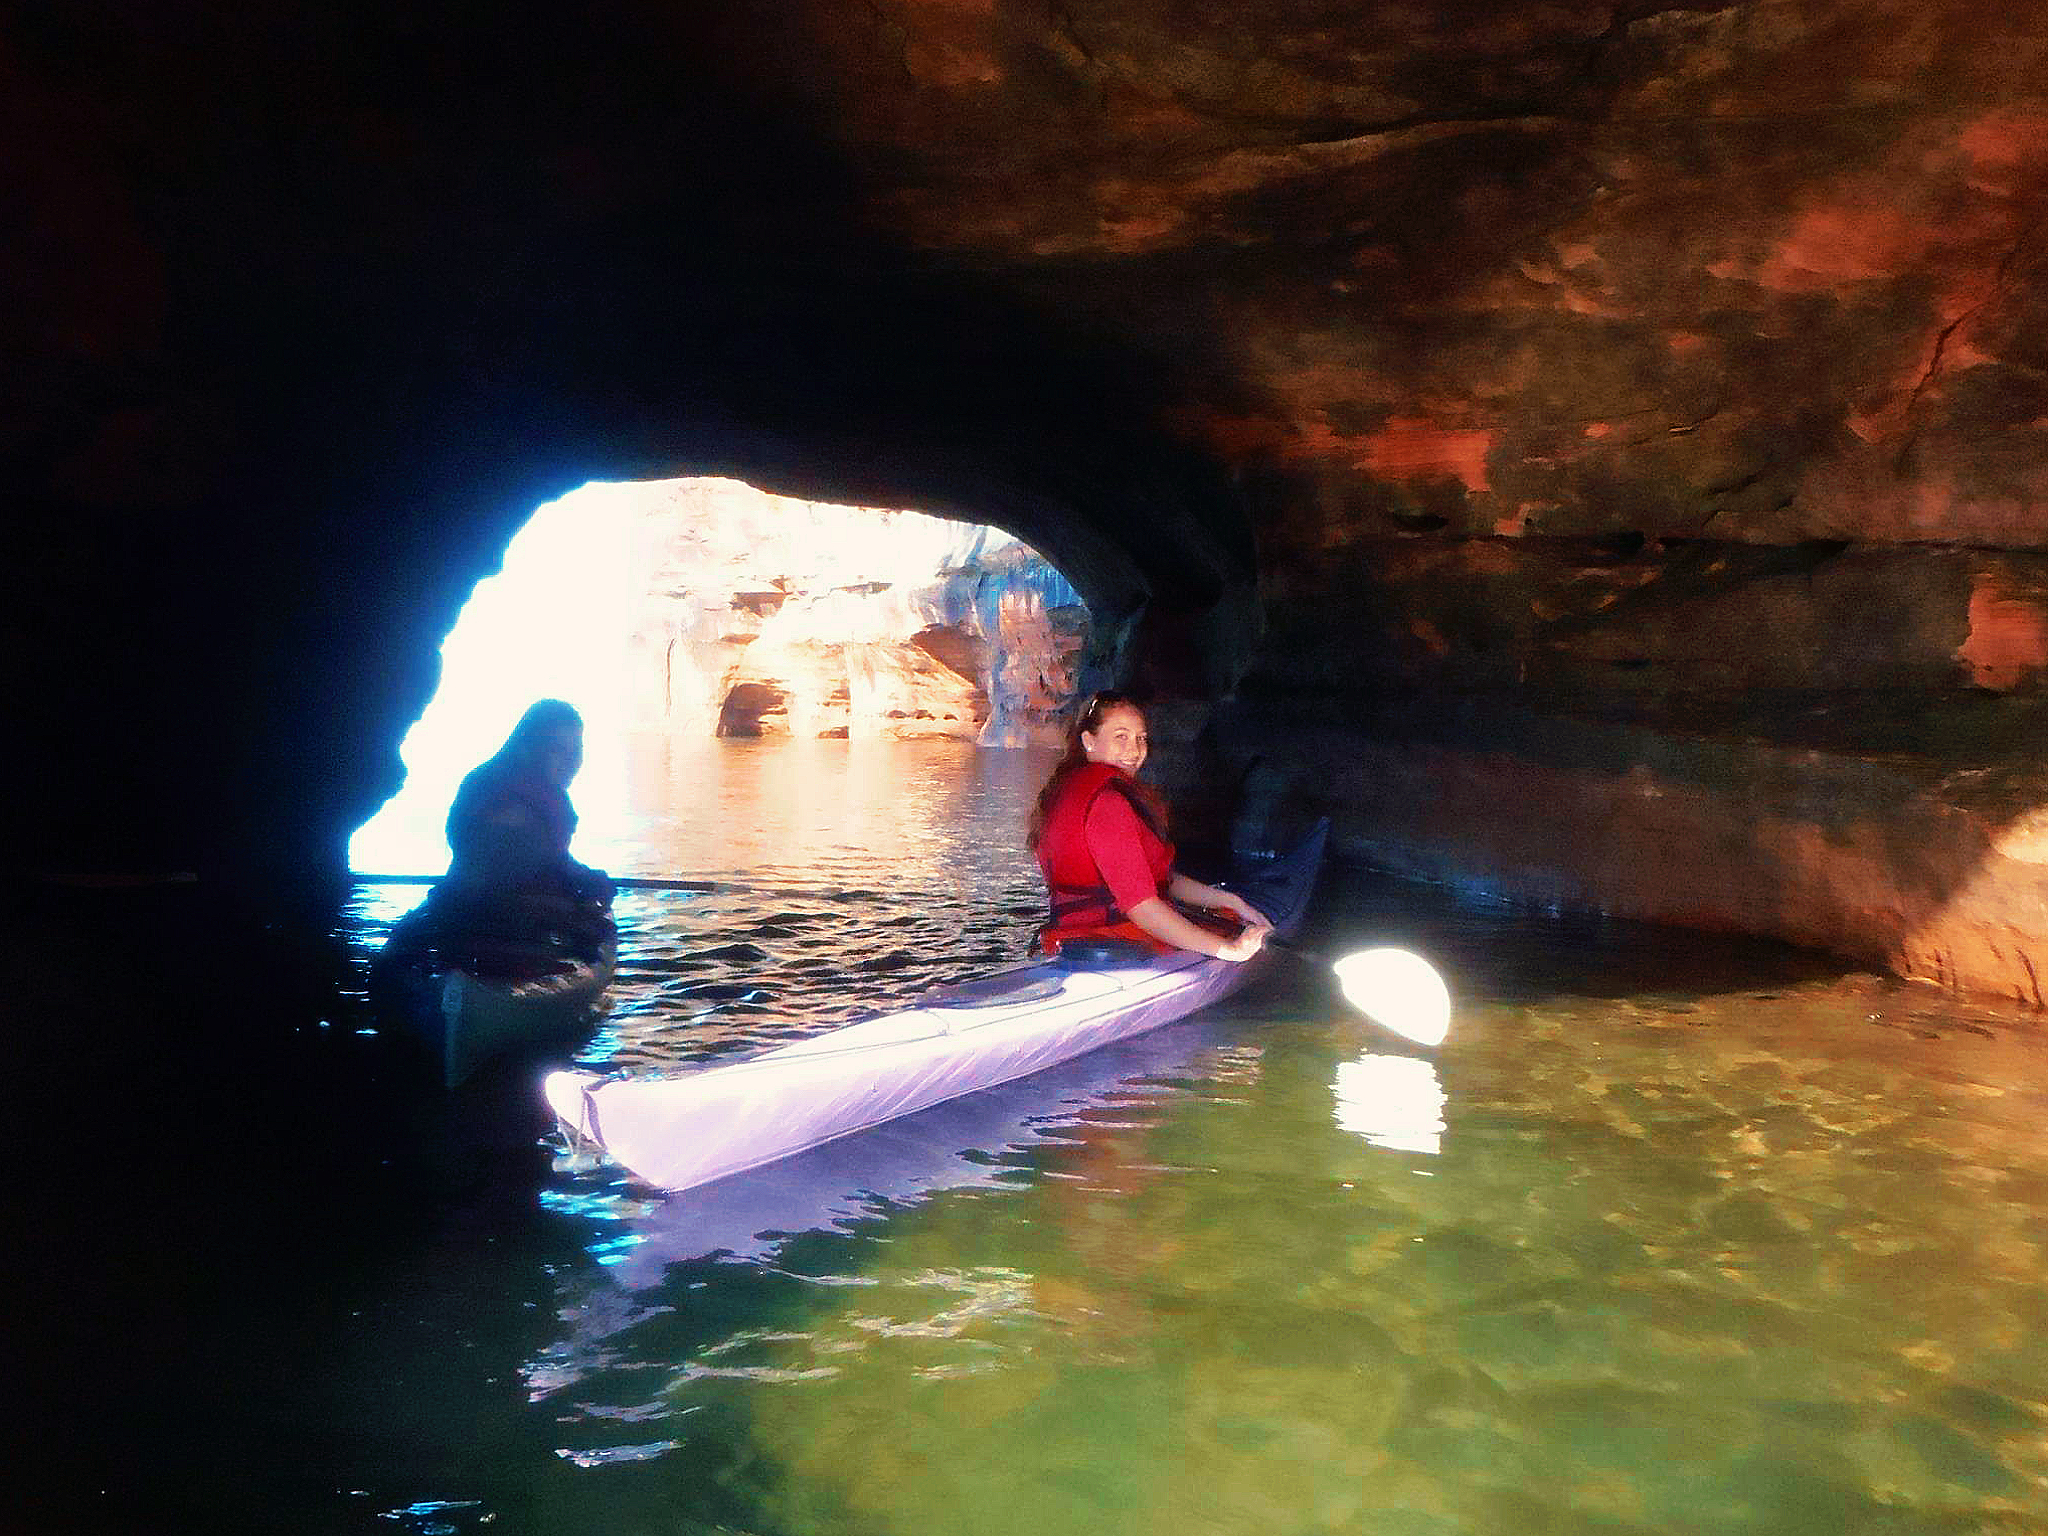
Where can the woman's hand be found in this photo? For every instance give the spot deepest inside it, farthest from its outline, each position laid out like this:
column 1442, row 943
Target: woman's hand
column 1172, row 928
column 593, row 885
column 1242, row 946
column 1253, row 937
column 1212, row 898
column 1240, row 909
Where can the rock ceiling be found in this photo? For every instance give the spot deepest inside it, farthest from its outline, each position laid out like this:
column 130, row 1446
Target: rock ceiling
column 1768, row 272
column 1664, row 367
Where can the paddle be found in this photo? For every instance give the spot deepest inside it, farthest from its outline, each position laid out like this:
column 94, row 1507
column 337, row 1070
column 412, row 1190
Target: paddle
column 620, row 882
column 1393, row 988
column 1397, row 990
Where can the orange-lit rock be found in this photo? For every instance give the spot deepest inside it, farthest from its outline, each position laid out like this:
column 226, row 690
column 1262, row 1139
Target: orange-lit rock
column 2007, row 645
column 1859, row 855
column 1639, row 398
column 762, row 614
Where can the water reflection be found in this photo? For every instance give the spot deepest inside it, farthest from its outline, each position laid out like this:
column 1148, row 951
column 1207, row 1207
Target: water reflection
column 985, row 1141
column 1392, row 1101
column 980, row 1141
column 1711, row 1238
column 937, row 818
column 845, row 874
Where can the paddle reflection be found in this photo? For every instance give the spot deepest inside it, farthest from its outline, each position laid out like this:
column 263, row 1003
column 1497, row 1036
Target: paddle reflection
column 1392, row 1101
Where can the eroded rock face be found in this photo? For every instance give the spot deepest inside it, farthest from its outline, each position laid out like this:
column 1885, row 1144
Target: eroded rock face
column 1739, row 272
column 1639, row 409
column 763, row 615
column 1525, row 405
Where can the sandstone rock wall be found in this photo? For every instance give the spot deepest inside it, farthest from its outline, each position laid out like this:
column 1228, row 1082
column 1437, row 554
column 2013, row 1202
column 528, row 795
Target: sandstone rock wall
column 1879, row 857
column 1842, row 744
column 764, row 614
column 1544, row 397
column 1639, row 412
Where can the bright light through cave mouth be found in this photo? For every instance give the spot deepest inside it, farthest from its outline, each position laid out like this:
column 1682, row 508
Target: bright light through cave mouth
column 706, row 608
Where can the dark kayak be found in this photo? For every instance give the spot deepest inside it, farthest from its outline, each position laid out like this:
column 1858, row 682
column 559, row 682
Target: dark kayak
column 470, row 996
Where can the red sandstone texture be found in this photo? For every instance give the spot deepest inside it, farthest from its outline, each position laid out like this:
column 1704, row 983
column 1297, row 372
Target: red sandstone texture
column 1759, row 273
column 1675, row 376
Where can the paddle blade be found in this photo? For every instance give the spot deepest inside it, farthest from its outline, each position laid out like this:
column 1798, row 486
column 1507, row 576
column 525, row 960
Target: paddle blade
column 1397, row 989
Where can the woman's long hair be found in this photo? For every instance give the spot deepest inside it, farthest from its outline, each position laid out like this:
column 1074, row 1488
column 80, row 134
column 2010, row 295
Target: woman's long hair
column 1145, row 800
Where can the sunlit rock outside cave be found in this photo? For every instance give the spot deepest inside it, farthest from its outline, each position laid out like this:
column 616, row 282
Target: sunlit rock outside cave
column 695, row 609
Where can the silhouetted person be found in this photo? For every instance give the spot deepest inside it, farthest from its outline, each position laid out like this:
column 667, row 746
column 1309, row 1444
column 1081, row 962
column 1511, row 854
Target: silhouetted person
column 514, row 897
column 510, row 825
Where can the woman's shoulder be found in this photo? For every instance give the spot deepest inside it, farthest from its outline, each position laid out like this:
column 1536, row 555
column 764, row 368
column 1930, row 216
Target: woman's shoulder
column 485, row 778
column 1113, row 812
column 1089, row 779
column 492, row 793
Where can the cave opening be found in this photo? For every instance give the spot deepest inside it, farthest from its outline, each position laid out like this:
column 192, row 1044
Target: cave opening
column 747, row 709
column 706, row 609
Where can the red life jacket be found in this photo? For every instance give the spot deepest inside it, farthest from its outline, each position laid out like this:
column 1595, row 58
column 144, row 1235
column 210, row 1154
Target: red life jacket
column 1080, row 901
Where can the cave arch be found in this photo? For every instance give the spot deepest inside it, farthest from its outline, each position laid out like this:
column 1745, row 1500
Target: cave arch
column 1474, row 404
column 748, row 706
column 705, row 608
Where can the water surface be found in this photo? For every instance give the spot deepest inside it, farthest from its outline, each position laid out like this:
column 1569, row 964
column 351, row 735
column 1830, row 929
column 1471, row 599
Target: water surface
column 1673, row 1235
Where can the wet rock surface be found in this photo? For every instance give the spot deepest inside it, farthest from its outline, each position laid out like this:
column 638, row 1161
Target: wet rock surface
column 1661, row 384
column 761, row 615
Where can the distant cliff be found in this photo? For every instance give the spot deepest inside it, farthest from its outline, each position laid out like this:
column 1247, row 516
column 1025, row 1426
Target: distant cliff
column 766, row 615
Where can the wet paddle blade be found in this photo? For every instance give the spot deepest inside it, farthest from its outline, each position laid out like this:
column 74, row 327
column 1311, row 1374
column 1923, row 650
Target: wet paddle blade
column 1399, row 990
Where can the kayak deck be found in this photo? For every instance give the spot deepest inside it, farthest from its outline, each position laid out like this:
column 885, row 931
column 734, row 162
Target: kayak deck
column 464, row 1020
column 484, row 1018
column 681, row 1131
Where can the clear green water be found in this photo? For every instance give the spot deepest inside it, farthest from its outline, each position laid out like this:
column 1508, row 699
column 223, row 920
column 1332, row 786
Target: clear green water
column 1671, row 1236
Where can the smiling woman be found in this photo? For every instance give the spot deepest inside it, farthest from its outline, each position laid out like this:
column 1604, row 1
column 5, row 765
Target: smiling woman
column 1100, row 837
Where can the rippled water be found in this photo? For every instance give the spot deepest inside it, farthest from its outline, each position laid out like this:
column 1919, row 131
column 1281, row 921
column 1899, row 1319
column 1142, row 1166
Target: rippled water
column 1671, row 1236
column 843, row 875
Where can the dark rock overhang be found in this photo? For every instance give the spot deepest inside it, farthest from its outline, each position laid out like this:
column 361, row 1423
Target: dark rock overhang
column 1485, row 323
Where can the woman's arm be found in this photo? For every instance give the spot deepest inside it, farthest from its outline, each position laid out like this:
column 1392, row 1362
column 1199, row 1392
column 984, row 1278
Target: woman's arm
column 1195, row 894
column 1116, row 844
column 1156, row 916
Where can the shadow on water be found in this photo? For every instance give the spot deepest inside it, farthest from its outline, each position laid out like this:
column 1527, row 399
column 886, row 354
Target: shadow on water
column 231, row 1179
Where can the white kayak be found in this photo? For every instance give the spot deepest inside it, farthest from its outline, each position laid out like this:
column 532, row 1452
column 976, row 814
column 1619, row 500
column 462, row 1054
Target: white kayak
column 680, row 1131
